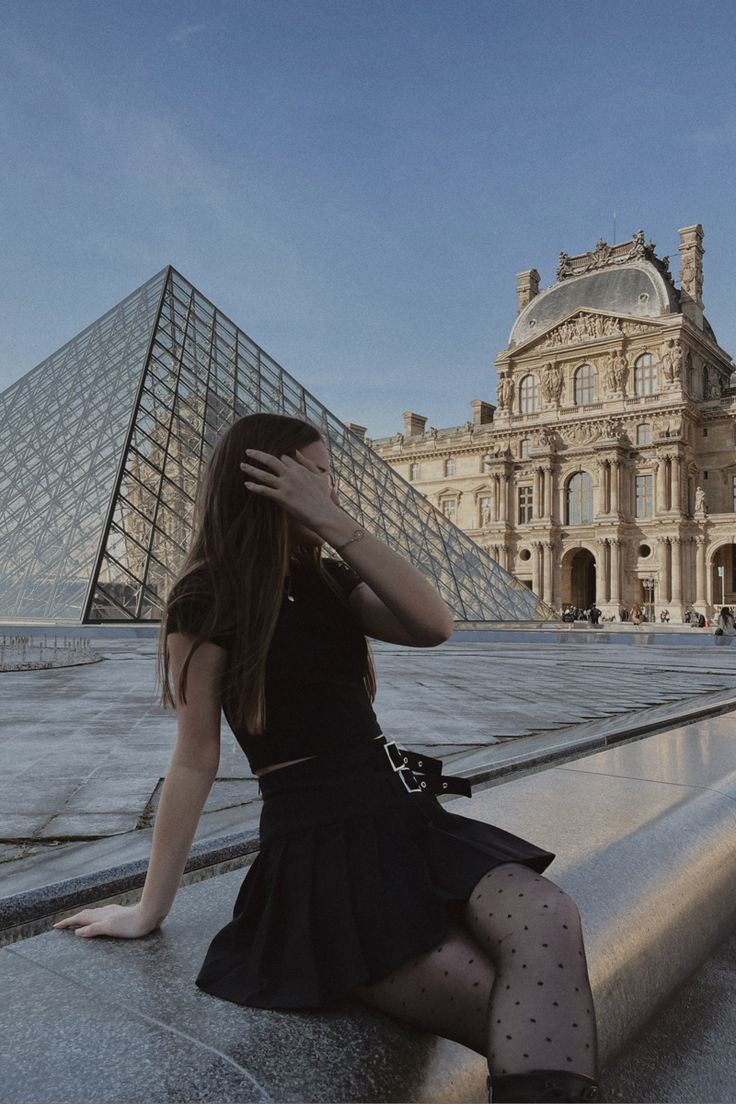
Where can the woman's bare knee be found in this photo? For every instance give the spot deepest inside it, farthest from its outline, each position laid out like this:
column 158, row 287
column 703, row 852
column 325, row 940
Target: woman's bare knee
column 445, row 991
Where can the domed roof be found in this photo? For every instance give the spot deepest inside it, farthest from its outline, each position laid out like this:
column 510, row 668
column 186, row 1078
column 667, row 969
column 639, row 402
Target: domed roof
column 636, row 288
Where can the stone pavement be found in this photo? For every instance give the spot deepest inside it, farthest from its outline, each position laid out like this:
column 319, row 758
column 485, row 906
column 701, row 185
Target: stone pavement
column 85, row 748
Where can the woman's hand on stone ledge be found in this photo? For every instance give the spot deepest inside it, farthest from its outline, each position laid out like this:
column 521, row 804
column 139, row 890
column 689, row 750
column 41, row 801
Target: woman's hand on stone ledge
column 120, row 921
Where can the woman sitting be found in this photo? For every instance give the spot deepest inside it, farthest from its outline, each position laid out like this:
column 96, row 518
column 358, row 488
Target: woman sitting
column 725, row 623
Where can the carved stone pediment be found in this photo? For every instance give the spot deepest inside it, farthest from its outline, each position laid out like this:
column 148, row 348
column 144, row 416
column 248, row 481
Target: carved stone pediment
column 584, row 326
column 588, row 432
column 581, row 433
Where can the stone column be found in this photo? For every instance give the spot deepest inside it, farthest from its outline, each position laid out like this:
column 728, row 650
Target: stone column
column 700, row 587
column 676, row 486
column 536, row 566
column 663, row 564
column 661, row 505
column 615, row 486
column 606, row 571
column 688, row 572
column 550, row 496
column 616, row 571
column 548, row 582
column 536, row 494
column 676, row 570
column 598, row 497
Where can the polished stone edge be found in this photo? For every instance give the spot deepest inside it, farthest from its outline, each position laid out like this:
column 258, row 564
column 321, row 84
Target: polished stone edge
column 28, row 913
column 560, row 746
column 22, row 909
column 580, row 632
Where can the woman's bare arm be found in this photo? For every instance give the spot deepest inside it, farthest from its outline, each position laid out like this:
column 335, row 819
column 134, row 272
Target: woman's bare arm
column 404, row 606
column 191, row 772
column 189, row 777
column 397, row 603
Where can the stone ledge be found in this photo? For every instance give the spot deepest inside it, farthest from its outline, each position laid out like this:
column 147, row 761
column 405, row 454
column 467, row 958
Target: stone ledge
column 652, row 913
column 34, row 910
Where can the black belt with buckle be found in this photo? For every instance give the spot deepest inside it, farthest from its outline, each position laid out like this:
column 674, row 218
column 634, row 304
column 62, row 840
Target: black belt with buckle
column 422, row 773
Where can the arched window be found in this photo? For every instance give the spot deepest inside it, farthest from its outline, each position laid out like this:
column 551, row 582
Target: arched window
column 449, row 467
column 584, row 382
column 580, row 499
column 415, row 471
column 528, row 391
column 645, row 375
column 644, row 434
column 524, row 449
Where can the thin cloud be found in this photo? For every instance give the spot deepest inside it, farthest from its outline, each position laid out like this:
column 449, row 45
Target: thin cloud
column 183, row 34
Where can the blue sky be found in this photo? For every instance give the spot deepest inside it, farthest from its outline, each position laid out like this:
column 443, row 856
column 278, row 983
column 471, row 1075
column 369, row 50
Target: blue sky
column 355, row 183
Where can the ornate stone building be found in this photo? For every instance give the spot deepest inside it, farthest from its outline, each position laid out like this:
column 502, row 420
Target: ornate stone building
column 606, row 469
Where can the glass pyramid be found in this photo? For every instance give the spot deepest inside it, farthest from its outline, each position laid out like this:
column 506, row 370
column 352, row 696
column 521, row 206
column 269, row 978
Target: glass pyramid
column 101, row 449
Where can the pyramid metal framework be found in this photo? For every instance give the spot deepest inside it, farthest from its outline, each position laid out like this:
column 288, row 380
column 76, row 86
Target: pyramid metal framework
column 101, row 450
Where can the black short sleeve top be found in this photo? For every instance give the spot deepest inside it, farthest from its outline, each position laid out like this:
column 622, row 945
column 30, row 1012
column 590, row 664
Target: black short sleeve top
column 316, row 699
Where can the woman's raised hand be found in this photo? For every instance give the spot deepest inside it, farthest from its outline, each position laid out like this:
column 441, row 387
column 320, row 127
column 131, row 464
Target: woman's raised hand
column 297, row 485
column 121, row 921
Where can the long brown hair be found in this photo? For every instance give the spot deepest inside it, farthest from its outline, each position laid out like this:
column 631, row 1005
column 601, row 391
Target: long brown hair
column 233, row 572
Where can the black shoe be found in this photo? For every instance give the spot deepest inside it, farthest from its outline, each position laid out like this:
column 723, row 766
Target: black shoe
column 542, row 1087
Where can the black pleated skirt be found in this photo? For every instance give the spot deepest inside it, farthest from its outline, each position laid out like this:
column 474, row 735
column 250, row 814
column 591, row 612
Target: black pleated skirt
column 355, row 875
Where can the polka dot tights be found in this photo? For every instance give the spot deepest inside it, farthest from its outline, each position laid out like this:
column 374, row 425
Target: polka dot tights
column 510, row 980
column 542, row 1014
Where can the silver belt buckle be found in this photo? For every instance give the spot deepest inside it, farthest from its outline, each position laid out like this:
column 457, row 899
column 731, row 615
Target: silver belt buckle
column 399, row 765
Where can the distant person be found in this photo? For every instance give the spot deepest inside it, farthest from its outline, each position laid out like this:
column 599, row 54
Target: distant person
column 688, row 616
column 701, row 620
column 636, row 616
column 594, row 614
column 624, row 614
column 725, row 623
column 664, row 616
column 352, row 892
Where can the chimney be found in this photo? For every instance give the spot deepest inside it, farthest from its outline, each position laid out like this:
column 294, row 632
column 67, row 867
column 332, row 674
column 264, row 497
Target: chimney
column 359, row 431
column 413, row 424
column 691, row 273
column 527, row 286
column 482, row 412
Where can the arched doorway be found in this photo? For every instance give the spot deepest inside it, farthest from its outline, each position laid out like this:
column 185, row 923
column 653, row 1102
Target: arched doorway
column 578, row 578
column 723, row 576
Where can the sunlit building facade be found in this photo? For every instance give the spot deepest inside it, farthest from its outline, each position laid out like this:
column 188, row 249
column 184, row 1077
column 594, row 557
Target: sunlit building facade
column 606, row 469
